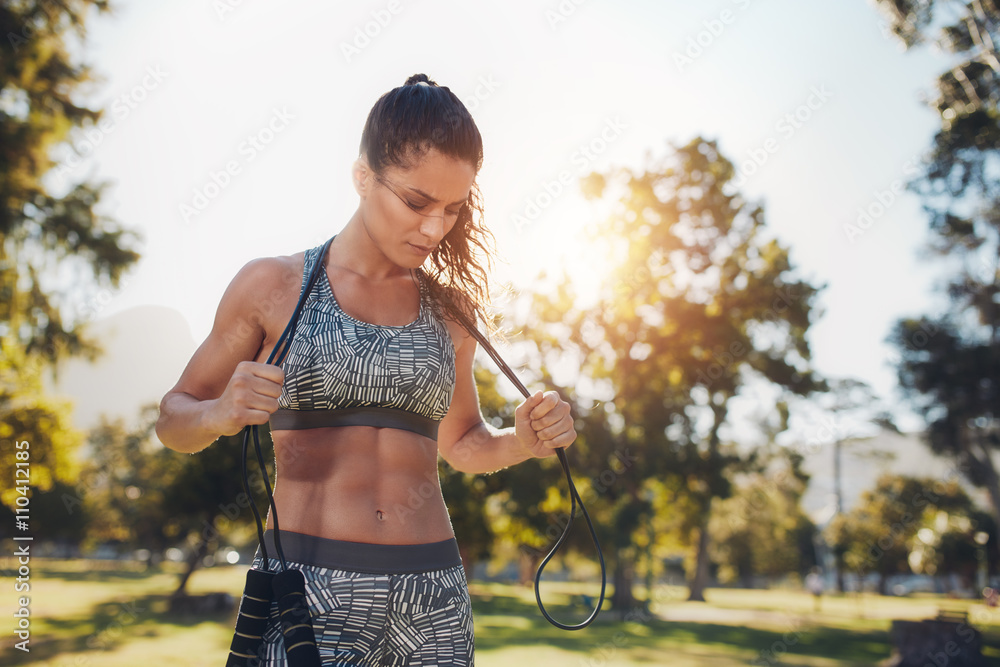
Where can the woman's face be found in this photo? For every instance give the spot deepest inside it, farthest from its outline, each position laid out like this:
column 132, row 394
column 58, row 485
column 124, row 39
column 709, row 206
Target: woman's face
column 408, row 211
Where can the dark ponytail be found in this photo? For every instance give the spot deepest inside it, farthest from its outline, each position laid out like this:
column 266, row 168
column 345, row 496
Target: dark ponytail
column 418, row 78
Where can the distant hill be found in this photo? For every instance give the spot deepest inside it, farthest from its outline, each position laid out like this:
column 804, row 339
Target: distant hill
column 145, row 350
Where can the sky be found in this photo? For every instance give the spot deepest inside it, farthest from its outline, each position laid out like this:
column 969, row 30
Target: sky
column 233, row 124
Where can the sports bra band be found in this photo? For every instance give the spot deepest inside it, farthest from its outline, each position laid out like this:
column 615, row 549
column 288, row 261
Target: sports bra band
column 361, row 416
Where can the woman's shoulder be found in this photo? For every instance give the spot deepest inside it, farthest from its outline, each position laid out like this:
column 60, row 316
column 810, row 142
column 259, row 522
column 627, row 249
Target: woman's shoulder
column 272, row 281
column 270, row 272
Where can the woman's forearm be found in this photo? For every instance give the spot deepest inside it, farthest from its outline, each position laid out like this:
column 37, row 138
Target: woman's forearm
column 185, row 423
column 484, row 449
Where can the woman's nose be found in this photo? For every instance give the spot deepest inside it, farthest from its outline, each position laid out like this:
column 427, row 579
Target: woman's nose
column 433, row 226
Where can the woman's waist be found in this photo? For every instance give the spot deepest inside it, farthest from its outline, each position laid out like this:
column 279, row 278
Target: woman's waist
column 403, row 510
column 318, row 551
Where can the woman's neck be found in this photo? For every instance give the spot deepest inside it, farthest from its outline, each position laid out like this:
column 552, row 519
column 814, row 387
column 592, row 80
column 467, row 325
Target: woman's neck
column 356, row 251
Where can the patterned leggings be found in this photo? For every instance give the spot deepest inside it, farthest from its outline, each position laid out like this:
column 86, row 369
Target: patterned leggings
column 413, row 610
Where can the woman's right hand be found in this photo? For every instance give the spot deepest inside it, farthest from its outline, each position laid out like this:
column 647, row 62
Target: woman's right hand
column 249, row 398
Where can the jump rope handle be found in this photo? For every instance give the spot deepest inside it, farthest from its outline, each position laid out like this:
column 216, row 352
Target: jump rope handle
column 296, row 622
column 252, row 620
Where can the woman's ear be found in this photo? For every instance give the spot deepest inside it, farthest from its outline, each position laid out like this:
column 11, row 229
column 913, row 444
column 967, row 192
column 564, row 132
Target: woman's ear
column 362, row 176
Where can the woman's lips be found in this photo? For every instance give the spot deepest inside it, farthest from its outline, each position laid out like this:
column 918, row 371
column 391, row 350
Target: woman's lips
column 421, row 248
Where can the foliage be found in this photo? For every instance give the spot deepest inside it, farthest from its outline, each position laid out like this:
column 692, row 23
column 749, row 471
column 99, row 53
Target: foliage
column 27, row 414
column 761, row 530
column 700, row 307
column 140, row 494
column 880, row 535
column 949, row 364
column 42, row 231
column 55, row 249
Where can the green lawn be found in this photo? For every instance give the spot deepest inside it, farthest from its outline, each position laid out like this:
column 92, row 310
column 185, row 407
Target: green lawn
column 102, row 614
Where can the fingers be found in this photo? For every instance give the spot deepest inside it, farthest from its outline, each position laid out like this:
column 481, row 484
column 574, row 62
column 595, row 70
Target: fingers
column 552, row 422
column 544, row 403
column 268, row 372
column 523, row 411
column 252, row 394
column 545, row 423
column 550, row 411
column 259, row 379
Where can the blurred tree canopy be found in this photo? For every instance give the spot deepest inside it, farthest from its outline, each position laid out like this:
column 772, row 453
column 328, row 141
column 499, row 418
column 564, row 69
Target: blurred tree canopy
column 950, row 363
column 700, row 307
column 55, row 249
column 906, row 524
column 761, row 529
column 138, row 494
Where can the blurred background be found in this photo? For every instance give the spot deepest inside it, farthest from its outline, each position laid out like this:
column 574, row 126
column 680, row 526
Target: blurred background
column 755, row 244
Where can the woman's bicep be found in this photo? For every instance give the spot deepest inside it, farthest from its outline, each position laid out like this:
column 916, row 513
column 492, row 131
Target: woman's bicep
column 238, row 331
column 464, row 412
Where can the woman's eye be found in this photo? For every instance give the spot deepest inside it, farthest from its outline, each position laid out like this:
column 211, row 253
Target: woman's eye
column 416, row 207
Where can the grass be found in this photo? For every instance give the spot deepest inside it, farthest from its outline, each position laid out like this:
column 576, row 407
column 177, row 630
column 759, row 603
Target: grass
column 108, row 614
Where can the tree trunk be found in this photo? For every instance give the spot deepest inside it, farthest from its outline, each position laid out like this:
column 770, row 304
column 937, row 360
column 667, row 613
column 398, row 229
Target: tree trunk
column 838, row 559
column 622, row 599
column 696, row 588
column 468, row 561
column 192, row 564
column 992, row 482
column 527, row 564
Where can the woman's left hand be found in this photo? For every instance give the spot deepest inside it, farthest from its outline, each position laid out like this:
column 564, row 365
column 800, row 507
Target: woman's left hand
column 543, row 423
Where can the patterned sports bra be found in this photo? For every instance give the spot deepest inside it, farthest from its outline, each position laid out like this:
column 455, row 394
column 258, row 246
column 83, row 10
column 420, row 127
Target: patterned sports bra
column 340, row 371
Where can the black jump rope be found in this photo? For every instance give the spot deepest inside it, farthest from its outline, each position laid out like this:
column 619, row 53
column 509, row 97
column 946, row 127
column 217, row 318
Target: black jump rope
column 288, row 585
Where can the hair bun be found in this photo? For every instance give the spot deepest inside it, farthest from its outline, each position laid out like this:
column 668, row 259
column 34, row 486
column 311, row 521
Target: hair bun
column 419, row 78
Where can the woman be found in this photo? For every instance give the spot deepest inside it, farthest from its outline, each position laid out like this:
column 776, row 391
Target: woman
column 378, row 381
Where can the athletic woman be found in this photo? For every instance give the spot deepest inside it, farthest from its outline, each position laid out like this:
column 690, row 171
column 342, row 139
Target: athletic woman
column 377, row 383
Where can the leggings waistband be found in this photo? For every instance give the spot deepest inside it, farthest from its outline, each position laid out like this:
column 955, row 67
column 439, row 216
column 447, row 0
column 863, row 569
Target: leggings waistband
column 362, row 556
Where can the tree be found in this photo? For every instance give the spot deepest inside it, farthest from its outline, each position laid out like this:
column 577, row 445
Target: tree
column 880, row 534
column 701, row 306
column 761, row 529
column 27, row 415
column 41, row 314
column 949, row 365
column 140, row 494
